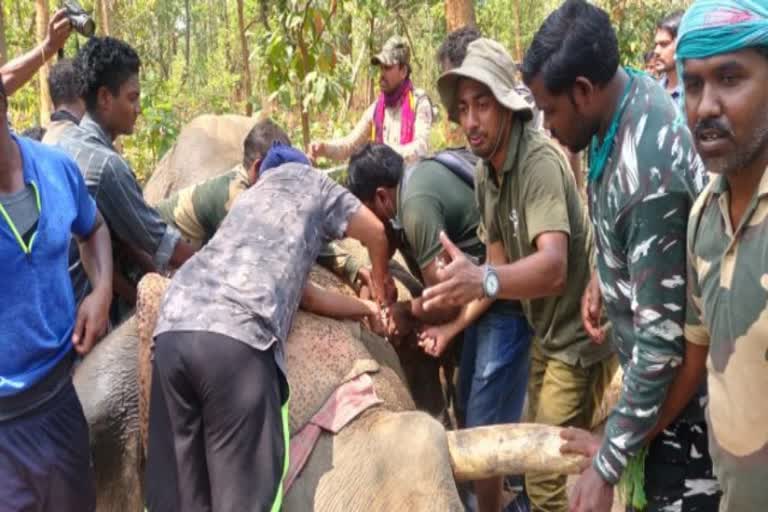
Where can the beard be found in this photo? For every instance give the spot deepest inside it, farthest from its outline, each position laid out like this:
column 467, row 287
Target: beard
column 733, row 163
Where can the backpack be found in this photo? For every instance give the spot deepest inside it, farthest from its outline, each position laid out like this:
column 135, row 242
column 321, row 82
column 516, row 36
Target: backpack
column 460, row 161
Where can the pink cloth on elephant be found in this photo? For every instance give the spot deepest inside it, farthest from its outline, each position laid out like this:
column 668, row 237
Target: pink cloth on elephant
column 344, row 405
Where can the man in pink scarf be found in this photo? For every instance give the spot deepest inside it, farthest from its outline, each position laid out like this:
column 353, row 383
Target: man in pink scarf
column 401, row 117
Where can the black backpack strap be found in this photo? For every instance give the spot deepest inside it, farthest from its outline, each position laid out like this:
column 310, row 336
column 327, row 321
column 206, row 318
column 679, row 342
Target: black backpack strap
column 460, row 162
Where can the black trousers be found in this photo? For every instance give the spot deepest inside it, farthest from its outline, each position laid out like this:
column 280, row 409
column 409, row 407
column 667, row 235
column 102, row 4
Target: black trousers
column 678, row 471
column 217, row 440
column 45, row 459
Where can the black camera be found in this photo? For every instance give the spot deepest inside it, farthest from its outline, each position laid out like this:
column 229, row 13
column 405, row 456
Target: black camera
column 81, row 21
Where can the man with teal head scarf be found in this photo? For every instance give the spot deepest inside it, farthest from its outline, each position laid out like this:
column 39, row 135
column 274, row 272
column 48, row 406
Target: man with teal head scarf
column 723, row 55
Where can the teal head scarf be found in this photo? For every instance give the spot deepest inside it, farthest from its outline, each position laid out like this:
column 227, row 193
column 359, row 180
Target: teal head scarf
column 714, row 27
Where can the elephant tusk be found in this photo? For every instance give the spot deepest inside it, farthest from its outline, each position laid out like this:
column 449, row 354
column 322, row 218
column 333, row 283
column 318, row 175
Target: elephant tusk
column 512, row 449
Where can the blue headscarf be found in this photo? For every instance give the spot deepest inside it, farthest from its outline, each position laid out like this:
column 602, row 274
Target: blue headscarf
column 714, row 27
column 280, row 154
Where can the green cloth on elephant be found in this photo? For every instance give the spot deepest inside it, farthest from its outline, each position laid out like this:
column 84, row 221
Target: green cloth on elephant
column 430, row 200
column 639, row 210
column 197, row 212
column 728, row 311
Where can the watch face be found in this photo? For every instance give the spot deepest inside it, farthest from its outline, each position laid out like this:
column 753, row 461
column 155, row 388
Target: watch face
column 492, row 285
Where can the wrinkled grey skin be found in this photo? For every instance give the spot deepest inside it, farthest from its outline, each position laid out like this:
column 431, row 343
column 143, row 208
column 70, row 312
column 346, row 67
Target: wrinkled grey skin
column 389, row 458
column 107, row 386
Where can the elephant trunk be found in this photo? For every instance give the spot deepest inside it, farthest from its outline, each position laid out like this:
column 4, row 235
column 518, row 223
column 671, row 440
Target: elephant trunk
column 512, row 449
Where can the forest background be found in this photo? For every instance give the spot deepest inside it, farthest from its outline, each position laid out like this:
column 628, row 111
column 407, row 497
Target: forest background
column 305, row 63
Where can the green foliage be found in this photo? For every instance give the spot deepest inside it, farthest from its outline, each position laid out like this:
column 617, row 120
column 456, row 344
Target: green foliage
column 309, row 59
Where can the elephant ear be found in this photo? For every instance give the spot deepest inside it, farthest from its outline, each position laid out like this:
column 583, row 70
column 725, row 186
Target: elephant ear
column 150, row 292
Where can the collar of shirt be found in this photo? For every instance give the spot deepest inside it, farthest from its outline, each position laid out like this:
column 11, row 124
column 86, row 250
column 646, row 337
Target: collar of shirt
column 93, row 128
column 676, row 92
column 720, row 185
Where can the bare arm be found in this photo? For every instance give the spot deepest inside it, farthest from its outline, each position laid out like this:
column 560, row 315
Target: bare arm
column 365, row 227
column 181, row 253
column 20, row 70
column 342, row 149
column 542, row 274
column 335, row 305
column 92, row 316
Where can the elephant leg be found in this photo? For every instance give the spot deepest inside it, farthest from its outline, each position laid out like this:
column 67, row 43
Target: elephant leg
column 383, row 461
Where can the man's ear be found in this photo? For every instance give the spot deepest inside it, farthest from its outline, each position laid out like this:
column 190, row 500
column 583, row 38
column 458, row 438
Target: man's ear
column 582, row 92
column 104, row 98
column 253, row 171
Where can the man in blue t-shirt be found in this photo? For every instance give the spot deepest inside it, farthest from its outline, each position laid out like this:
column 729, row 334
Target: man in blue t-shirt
column 44, row 446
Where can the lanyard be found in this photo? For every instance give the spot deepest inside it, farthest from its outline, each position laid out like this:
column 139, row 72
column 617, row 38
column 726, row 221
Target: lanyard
column 27, row 249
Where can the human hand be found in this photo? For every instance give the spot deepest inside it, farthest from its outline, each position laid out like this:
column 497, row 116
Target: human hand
column 591, row 493
column 461, row 281
column 92, row 321
column 316, row 150
column 435, row 339
column 592, row 309
column 383, row 286
column 580, row 442
column 59, row 29
column 376, row 320
column 365, row 277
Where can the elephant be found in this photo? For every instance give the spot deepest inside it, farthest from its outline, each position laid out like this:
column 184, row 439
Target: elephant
column 390, row 456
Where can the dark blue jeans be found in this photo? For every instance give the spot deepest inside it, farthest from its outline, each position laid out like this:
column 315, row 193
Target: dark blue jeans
column 45, row 459
column 495, row 361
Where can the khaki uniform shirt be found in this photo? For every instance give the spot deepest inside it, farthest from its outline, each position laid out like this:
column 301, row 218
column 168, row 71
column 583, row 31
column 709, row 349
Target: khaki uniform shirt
column 538, row 194
column 342, row 149
column 728, row 311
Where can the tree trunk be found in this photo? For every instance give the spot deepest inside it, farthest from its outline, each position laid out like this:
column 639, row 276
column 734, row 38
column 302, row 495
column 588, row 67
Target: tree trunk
column 459, row 13
column 518, row 30
column 41, row 18
column 246, row 79
column 3, row 44
column 187, row 34
column 104, row 14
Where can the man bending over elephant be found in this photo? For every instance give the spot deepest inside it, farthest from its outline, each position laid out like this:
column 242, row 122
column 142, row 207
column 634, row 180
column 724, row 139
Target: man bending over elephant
column 218, row 433
column 197, row 211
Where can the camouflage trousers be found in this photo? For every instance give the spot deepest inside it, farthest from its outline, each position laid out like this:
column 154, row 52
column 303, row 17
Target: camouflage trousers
column 678, row 471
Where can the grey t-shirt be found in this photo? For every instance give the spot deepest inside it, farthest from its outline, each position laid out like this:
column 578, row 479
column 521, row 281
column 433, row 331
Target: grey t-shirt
column 247, row 282
column 21, row 207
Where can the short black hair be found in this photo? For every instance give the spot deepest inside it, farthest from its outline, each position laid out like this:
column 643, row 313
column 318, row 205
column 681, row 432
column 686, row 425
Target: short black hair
column 35, row 133
column 64, row 83
column 105, row 62
column 373, row 166
column 671, row 23
column 575, row 40
column 260, row 139
column 454, row 47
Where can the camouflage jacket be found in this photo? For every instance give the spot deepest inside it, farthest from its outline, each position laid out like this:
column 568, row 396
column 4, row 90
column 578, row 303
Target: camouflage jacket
column 639, row 210
column 197, row 212
column 342, row 149
column 728, row 311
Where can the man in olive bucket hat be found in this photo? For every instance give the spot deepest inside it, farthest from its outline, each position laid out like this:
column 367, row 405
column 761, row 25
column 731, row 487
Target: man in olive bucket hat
column 539, row 247
column 401, row 117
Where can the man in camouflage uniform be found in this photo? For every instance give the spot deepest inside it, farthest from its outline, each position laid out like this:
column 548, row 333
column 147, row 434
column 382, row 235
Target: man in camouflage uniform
column 538, row 242
column 723, row 47
column 197, row 211
column 401, row 118
column 643, row 178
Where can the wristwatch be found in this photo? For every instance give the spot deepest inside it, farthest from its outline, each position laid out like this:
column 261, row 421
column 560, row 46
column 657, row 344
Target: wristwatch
column 491, row 283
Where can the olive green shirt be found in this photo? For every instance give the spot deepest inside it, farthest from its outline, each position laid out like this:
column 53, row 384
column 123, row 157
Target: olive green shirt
column 538, row 194
column 431, row 199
